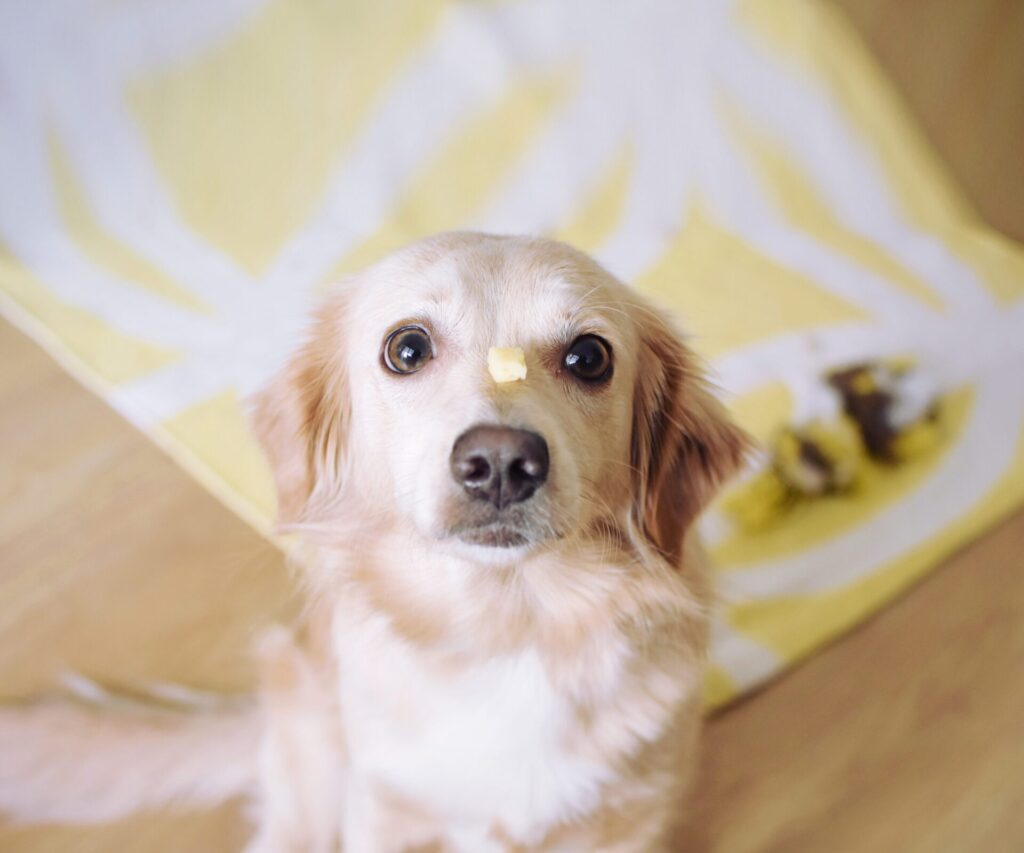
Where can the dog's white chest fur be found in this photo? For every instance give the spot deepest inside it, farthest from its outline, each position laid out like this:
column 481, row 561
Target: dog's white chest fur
column 477, row 747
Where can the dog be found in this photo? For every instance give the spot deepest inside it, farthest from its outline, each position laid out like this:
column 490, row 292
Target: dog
column 489, row 455
column 508, row 610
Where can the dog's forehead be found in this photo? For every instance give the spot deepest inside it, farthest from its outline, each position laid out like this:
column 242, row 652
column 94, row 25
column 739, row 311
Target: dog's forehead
column 510, row 303
column 500, row 293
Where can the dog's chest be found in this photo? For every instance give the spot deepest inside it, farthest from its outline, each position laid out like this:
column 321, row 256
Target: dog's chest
column 486, row 744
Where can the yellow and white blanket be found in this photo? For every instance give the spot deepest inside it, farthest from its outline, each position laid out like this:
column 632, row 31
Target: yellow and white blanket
column 179, row 178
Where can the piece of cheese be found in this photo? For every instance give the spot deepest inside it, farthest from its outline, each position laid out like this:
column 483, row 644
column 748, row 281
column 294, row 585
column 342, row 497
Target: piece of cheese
column 506, row 364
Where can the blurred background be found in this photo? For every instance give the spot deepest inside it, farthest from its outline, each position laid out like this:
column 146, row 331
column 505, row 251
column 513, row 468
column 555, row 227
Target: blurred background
column 808, row 184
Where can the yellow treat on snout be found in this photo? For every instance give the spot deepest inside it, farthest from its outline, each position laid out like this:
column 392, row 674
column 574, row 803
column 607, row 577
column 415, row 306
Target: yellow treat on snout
column 506, row 364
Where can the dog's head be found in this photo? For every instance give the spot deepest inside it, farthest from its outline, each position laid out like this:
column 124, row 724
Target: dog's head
column 389, row 411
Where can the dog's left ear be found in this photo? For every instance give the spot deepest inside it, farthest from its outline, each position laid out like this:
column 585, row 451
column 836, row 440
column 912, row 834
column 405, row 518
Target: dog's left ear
column 684, row 443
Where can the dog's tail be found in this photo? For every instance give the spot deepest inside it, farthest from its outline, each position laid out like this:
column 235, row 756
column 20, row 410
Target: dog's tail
column 96, row 757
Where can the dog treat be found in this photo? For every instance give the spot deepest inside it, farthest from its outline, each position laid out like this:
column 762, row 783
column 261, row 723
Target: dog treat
column 506, row 364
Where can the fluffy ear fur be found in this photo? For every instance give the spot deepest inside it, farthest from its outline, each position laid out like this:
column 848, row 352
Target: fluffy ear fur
column 301, row 418
column 684, row 444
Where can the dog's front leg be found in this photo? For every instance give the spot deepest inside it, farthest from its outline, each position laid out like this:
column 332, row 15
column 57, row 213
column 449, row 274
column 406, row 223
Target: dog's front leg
column 302, row 761
column 361, row 820
column 375, row 822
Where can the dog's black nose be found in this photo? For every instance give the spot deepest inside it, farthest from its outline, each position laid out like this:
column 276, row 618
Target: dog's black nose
column 499, row 464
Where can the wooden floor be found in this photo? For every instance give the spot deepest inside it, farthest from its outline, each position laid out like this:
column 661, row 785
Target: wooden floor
column 906, row 736
column 116, row 564
column 960, row 66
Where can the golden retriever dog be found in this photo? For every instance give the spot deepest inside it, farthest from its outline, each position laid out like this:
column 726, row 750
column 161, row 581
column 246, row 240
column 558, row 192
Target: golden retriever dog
column 489, row 455
column 508, row 613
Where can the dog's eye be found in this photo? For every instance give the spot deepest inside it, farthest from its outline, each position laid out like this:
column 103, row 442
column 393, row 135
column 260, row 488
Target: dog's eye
column 408, row 349
column 589, row 358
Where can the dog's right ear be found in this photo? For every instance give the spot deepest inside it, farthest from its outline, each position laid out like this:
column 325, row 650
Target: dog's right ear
column 301, row 418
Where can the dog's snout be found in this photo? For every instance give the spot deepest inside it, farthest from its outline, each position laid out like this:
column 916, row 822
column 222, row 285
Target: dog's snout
column 500, row 464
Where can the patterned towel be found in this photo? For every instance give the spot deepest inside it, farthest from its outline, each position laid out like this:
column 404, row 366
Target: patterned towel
column 180, row 178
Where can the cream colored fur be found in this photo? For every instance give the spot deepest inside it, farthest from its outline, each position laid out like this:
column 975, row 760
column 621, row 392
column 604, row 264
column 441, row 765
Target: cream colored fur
column 454, row 696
